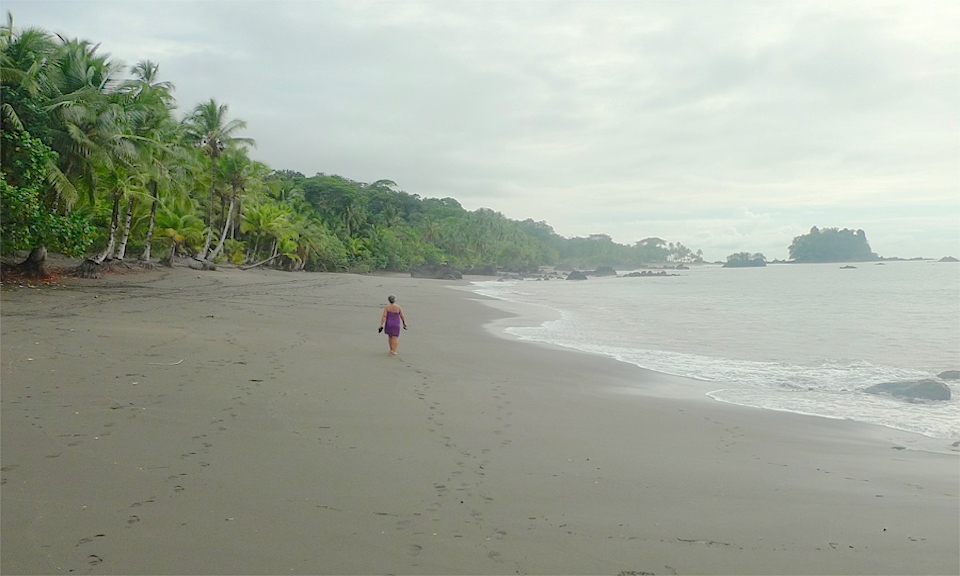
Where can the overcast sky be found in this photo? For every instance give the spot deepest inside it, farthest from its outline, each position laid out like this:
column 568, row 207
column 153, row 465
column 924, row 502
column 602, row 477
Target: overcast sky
column 725, row 125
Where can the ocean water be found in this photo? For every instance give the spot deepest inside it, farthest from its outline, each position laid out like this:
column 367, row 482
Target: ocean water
column 799, row 338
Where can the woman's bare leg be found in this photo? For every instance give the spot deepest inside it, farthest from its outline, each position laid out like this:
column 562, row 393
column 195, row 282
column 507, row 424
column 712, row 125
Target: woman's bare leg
column 393, row 344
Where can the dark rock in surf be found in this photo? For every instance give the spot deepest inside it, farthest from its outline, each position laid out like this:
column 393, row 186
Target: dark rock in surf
column 912, row 390
column 603, row 271
column 576, row 275
column 949, row 375
column 488, row 270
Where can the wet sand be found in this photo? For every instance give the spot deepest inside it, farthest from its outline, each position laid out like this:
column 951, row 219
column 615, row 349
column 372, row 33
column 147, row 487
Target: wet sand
column 253, row 422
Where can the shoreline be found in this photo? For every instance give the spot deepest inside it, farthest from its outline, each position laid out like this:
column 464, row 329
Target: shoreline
column 253, row 422
column 666, row 385
column 523, row 315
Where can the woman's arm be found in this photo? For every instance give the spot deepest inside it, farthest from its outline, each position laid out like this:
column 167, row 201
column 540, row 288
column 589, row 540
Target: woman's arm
column 384, row 317
column 402, row 319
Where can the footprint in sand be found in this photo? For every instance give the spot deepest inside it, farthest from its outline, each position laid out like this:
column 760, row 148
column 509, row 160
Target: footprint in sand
column 137, row 504
column 89, row 539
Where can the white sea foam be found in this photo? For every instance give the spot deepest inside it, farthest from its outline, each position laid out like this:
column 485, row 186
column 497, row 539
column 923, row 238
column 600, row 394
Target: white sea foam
column 805, row 339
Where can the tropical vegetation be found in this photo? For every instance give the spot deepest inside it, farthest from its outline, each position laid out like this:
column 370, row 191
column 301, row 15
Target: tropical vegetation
column 97, row 162
column 745, row 260
column 831, row 245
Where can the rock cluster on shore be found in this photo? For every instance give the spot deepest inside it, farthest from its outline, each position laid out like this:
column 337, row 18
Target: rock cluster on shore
column 436, row 271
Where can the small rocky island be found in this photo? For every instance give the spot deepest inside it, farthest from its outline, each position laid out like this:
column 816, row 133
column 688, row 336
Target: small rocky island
column 745, row 260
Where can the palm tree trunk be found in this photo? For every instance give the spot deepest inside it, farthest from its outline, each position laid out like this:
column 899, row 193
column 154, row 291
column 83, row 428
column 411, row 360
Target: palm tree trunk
column 226, row 227
column 148, row 242
column 171, row 254
column 122, row 250
column 111, row 244
column 213, row 192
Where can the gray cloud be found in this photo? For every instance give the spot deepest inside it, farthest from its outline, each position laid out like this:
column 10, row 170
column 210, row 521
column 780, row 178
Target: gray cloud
column 727, row 126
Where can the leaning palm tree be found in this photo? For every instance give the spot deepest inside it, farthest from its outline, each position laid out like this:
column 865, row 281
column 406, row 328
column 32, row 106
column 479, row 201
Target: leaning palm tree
column 239, row 172
column 208, row 128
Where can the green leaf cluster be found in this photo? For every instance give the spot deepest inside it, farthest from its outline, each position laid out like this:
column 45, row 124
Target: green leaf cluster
column 24, row 221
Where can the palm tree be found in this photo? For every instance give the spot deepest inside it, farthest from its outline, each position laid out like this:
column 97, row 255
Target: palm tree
column 122, row 183
column 178, row 223
column 154, row 134
column 266, row 221
column 86, row 118
column 431, row 230
column 145, row 108
column 208, row 128
column 285, row 191
column 166, row 165
column 239, row 172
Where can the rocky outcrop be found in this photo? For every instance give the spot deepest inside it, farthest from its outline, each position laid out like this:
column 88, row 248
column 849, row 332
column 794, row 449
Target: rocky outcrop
column 576, row 275
column 948, row 259
column 912, row 390
column 603, row 271
column 436, row 272
column 755, row 263
column 488, row 270
column 949, row 375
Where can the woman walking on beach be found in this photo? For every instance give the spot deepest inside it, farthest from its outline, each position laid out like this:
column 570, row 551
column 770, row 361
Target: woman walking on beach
column 391, row 320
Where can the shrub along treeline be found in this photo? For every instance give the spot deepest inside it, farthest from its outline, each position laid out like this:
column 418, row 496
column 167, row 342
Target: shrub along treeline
column 95, row 163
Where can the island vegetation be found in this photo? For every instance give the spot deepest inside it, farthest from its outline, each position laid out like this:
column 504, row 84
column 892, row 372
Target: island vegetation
column 96, row 162
column 745, row 260
column 832, row 245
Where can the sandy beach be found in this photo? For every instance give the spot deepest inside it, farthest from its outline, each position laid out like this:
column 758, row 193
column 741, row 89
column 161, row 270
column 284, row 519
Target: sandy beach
column 253, row 422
